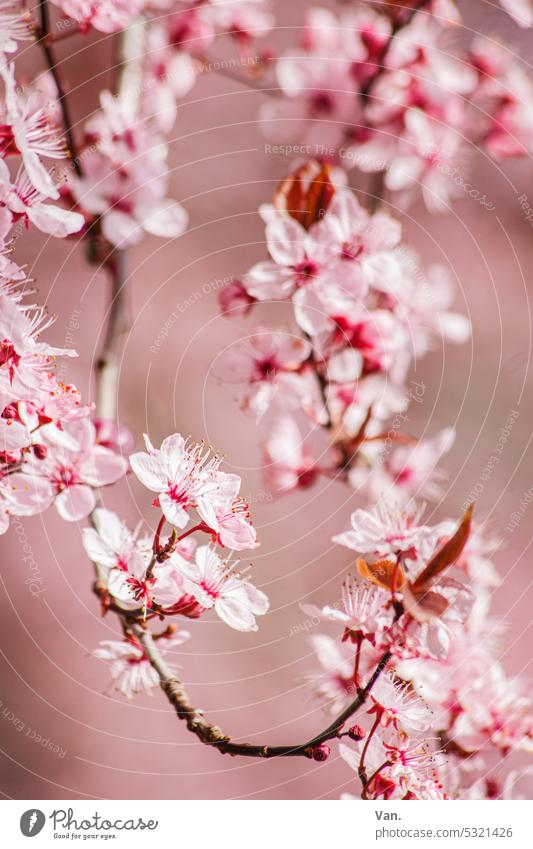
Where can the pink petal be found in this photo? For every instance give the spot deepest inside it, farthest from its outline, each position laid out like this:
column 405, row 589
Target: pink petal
column 148, row 469
column 54, row 220
column 103, row 467
column 75, row 503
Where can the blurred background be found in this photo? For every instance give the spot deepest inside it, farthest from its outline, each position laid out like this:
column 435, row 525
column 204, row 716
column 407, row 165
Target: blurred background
column 95, row 745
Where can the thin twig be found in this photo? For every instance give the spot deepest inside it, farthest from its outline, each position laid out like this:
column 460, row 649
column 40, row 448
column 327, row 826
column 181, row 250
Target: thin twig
column 45, row 44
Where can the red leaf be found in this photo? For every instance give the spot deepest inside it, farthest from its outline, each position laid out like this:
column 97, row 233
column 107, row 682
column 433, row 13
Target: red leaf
column 306, row 193
column 447, row 554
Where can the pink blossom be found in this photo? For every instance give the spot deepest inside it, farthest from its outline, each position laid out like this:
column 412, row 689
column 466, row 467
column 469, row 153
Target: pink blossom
column 217, row 585
column 26, row 130
column 396, row 706
column 14, row 26
column 109, row 543
column 235, row 529
column 363, row 610
column 22, row 495
column 74, row 472
column 104, row 15
column 130, row 202
column 388, row 531
column 334, row 684
column 23, row 201
column 234, row 300
column 320, row 102
column 124, row 175
column 407, row 471
column 288, row 464
column 269, row 363
column 131, row 672
column 185, row 476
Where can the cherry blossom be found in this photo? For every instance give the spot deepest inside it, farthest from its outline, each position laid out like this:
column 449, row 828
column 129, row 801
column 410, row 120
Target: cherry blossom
column 23, row 201
column 387, row 531
column 407, row 472
column 103, row 15
column 397, row 707
column 362, row 611
column 269, row 364
column 334, row 684
column 110, row 543
column 184, row 475
column 288, row 463
column 14, row 26
column 73, row 473
column 215, row 584
column 27, row 131
column 131, row 672
column 412, row 648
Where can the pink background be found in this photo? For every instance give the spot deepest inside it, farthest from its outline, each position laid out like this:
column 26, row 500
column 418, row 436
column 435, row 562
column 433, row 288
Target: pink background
column 251, row 684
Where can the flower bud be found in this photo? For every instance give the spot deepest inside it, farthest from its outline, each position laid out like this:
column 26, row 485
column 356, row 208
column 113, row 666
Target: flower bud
column 356, row 733
column 40, row 451
column 9, row 412
column 10, row 456
column 234, row 300
column 319, row 753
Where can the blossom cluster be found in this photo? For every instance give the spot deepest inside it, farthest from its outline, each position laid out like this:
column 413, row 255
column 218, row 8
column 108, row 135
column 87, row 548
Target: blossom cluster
column 381, row 90
column 417, row 649
column 444, row 707
column 362, row 309
column 147, row 577
column 50, row 451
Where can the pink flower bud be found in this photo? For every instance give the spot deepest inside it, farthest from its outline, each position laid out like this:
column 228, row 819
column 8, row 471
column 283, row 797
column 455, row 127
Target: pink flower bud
column 234, row 300
column 9, row 456
column 40, row 451
column 356, row 733
column 319, row 753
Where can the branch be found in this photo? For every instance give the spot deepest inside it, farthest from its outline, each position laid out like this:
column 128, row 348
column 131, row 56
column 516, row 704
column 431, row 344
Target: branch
column 212, row 735
column 118, row 324
column 45, row 37
column 118, row 320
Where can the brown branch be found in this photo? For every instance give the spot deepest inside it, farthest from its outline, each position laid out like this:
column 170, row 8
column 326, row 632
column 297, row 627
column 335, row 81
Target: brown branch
column 118, row 325
column 212, row 735
column 44, row 36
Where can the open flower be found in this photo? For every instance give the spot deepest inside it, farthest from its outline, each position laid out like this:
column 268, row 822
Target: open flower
column 185, row 475
column 31, row 134
column 288, row 462
column 218, row 585
column 110, row 543
column 387, row 530
column 334, row 684
column 362, row 610
column 397, row 706
column 23, row 201
column 131, row 672
column 75, row 472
